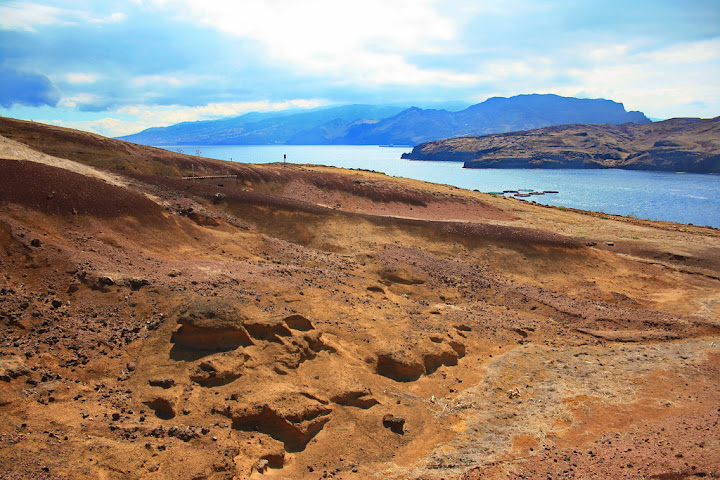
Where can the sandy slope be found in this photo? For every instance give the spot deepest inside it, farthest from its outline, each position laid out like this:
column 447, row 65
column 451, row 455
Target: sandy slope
column 12, row 150
column 154, row 329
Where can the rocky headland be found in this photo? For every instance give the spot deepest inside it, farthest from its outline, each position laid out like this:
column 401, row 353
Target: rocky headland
column 678, row 145
column 304, row 322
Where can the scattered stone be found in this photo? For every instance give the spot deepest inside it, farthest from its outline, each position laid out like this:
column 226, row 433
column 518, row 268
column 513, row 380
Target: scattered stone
column 162, row 407
column 137, row 283
column 12, row 367
column 157, row 432
column 35, row 243
column 162, row 382
column 262, row 465
column 184, row 434
column 395, row 424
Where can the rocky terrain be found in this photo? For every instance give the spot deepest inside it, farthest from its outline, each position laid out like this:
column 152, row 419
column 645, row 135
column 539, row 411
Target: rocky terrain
column 679, row 144
column 303, row 322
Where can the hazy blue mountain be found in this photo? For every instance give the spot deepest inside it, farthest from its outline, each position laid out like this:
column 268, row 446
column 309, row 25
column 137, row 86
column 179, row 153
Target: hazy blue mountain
column 257, row 128
column 386, row 125
column 495, row 115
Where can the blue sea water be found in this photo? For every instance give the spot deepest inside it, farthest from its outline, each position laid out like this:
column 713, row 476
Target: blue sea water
column 678, row 197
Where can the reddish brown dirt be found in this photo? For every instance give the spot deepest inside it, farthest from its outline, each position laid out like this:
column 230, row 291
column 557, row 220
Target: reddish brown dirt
column 26, row 184
column 315, row 323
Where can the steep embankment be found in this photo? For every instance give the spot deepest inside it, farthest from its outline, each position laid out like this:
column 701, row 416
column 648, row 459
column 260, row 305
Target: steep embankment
column 681, row 144
column 308, row 322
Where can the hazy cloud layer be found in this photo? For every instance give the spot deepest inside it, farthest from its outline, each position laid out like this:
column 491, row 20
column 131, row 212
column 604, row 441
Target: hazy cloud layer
column 117, row 67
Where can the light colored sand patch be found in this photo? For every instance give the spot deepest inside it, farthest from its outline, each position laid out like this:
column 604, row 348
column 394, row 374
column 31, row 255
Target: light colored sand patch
column 13, row 150
column 526, row 392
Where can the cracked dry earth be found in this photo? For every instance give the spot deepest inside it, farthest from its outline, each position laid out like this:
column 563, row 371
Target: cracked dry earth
column 314, row 323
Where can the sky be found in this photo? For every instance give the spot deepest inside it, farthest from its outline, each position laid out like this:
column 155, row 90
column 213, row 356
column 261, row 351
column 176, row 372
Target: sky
column 116, row 67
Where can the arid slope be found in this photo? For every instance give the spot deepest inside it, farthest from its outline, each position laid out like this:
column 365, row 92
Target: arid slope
column 677, row 145
column 308, row 322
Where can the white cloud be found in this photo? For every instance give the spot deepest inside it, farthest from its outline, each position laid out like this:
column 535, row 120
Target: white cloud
column 169, row 115
column 116, row 17
column 134, row 118
column 679, row 80
column 78, row 77
column 146, row 80
column 662, row 83
column 28, row 16
column 686, row 53
column 105, row 126
column 79, row 99
column 350, row 41
column 607, row 52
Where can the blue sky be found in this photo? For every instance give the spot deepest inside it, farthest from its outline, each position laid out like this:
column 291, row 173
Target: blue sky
column 116, row 67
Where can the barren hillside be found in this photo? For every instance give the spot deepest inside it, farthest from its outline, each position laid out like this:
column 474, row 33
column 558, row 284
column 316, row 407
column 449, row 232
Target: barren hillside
column 676, row 145
column 306, row 322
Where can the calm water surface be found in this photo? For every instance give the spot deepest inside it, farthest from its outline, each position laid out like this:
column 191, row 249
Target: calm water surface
column 677, row 197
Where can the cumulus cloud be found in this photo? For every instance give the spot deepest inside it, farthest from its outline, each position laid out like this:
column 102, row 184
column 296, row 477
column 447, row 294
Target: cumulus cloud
column 26, row 88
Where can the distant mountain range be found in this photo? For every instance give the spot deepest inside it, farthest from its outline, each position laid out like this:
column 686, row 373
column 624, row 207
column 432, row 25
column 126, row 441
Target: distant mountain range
column 678, row 145
column 389, row 125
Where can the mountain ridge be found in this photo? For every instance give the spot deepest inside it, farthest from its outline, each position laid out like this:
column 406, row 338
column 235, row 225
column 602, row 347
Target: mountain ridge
column 382, row 124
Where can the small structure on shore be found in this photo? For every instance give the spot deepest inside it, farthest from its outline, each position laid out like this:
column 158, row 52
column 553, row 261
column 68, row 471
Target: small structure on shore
column 216, row 180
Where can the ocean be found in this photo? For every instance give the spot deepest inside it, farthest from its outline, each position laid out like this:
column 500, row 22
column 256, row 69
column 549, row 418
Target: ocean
column 677, row 197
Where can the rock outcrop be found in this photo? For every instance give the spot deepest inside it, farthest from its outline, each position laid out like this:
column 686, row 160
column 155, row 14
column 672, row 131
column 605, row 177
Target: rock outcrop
column 412, row 330
column 678, row 145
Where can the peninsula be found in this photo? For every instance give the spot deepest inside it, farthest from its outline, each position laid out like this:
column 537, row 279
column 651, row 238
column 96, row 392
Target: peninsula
column 678, row 145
